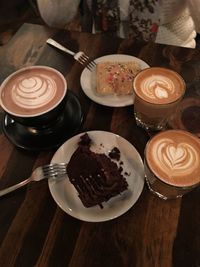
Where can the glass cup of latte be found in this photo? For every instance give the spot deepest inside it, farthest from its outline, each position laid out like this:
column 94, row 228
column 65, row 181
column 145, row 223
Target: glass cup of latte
column 157, row 93
column 34, row 96
column 172, row 163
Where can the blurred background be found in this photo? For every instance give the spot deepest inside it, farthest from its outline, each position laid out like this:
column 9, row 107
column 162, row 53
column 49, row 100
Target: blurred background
column 13, row 13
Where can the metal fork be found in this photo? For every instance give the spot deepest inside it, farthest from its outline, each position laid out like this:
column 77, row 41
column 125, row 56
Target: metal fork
column 54, row 171
column 80, row 56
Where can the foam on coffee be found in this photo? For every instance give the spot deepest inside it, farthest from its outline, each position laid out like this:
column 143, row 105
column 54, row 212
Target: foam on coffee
column 174, row 157
column 159, row 85
column 32, row 91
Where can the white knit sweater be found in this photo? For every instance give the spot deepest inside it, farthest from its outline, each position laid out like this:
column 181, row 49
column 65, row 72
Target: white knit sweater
column 179, row 22
column 179, row 19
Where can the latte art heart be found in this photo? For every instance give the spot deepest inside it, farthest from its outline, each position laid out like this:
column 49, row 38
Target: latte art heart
column 175, row 158
column 157, row 87
column 34, row 92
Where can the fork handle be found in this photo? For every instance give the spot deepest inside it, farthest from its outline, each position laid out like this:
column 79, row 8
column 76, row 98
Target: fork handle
column 14, row 187
column 59, row 46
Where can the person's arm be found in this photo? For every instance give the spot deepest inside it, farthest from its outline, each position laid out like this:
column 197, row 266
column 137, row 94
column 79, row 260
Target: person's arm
column 57, row 13
column 194, row 7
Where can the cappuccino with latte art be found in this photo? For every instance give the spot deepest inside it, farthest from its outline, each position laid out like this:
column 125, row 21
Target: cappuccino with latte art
column 172, row 163
column 34, row 96
column 157, row 93
column 32, row 91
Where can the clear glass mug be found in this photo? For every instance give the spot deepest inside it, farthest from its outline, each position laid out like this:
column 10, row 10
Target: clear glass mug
column 157, row 93
column 172, row 163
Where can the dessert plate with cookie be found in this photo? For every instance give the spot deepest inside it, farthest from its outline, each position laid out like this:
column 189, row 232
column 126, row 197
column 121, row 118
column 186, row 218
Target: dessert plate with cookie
column 110, row 82
column 105, row 176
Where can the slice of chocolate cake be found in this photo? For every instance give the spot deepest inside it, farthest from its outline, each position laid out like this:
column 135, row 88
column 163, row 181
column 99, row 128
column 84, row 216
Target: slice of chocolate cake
column 95, row 176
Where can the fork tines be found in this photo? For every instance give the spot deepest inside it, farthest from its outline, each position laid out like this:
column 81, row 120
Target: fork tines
column 91, row 65
column 83, row 59
column 54, row 170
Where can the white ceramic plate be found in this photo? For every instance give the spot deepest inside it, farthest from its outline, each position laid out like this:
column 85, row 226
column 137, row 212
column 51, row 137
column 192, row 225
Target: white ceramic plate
column 66, row 196
column 88, row 82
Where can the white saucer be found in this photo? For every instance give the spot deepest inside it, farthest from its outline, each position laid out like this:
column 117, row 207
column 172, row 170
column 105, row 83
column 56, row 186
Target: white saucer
column 66, row 196
column 88, row 82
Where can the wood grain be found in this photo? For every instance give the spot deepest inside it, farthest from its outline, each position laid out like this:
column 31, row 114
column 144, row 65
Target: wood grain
column 34, row 231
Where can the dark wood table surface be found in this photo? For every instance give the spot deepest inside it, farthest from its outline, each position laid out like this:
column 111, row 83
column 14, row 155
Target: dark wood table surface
column 34, row 231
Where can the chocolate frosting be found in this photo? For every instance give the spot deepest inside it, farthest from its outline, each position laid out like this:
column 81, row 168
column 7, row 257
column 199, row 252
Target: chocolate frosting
column 95, row 176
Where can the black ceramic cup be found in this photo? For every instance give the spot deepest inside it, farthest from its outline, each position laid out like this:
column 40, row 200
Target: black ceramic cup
column 34, row 96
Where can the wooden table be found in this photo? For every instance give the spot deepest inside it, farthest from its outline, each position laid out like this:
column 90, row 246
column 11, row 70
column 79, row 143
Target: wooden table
column 34, row 231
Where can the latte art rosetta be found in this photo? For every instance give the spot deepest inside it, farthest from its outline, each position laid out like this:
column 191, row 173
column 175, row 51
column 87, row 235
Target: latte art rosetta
column 157, row 87
column 34, row 91
column 174, row 158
